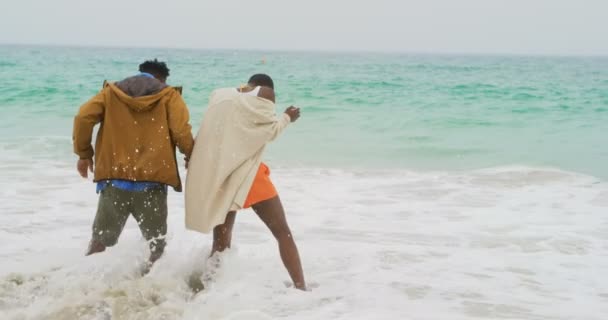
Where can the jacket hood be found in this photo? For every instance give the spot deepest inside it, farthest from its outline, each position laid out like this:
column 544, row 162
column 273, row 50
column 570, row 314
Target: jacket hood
column 140, row 93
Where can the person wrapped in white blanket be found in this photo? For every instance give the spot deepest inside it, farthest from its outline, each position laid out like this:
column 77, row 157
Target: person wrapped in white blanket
column 226, row 173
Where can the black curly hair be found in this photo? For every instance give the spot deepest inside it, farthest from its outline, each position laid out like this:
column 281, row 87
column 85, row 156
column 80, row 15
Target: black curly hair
column 261, row 79
column 155, row 67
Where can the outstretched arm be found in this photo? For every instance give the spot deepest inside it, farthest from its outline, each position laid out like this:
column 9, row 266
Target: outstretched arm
column 291, row 114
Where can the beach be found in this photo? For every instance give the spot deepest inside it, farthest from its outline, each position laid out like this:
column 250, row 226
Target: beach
column 416, row 186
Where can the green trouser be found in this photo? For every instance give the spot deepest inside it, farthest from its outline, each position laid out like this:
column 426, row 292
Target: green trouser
column 149, row 208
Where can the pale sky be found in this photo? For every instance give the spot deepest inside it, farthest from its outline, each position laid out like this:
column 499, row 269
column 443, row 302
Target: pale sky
column 437, row 26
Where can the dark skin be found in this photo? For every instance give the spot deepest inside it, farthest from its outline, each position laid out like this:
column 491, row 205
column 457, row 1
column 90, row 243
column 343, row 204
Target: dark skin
column 272, row 213
column 268, row 93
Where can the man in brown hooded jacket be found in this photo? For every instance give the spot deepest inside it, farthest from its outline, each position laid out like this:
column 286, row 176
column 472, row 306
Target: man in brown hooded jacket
column 142, row 121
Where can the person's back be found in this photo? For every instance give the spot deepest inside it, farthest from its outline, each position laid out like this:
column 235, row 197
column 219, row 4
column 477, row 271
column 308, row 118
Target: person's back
column 142, row 122
column 227, row 173
column 228, row 150
column 140, row 128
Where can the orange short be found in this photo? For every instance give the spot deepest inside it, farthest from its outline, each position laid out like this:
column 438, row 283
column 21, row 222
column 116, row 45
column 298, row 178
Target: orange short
column 262, row 188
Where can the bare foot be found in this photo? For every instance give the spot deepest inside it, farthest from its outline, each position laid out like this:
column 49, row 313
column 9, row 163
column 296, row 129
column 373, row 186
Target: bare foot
column 195, row 282
column 95, row 246
column 299, row 286
column 155, row 256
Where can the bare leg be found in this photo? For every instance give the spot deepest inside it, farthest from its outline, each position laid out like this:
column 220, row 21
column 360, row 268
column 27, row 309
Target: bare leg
column 222, row 234
column 272, row 213
column 222, row 237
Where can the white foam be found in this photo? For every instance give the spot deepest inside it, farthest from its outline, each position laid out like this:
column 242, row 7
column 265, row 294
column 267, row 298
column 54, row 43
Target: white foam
column 516, row 242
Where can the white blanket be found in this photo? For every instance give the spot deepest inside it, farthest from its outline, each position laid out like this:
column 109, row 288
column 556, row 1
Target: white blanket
column 226, row 156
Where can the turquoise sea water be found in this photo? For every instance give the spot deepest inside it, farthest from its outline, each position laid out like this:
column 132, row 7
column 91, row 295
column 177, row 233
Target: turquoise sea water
column 379, row 181
column 368, row 110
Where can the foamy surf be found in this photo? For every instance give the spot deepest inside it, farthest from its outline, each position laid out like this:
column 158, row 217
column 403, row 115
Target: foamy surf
column 510, row 243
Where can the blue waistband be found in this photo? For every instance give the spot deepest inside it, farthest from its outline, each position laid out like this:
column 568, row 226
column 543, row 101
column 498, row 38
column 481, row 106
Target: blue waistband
column 129, row 185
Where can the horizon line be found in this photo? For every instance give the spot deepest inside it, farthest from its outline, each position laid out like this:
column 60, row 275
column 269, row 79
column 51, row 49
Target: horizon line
column 316, row 50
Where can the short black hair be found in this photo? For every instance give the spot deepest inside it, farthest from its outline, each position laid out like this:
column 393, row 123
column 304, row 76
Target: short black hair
column 155, row 67
column 261, row 79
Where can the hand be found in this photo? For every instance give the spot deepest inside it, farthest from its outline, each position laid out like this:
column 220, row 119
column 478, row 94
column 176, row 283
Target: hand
column 83, row 165
column 293, row 113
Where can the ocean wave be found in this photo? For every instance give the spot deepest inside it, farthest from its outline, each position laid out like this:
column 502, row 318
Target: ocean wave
column 372, row 242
